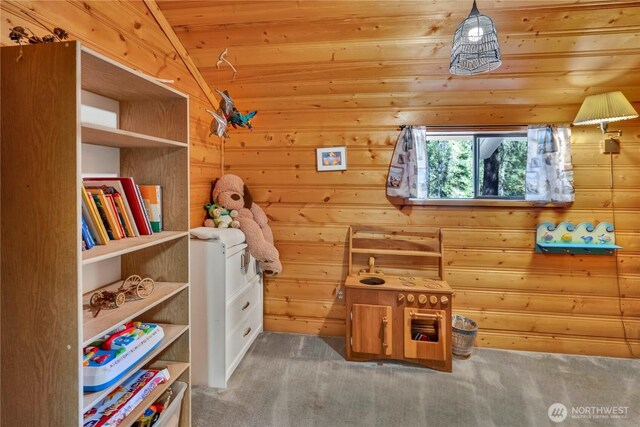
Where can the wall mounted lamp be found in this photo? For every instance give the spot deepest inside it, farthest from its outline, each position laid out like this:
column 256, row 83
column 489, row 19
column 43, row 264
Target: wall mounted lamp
column 602, row 109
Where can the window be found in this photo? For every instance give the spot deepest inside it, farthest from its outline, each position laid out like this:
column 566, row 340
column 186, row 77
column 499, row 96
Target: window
column 476, row 166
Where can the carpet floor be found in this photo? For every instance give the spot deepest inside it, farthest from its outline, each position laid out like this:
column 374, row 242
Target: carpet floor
column 299, row 380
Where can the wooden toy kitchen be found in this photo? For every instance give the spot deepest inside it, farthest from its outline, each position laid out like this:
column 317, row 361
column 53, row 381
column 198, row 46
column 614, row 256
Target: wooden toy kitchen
column 403, row 311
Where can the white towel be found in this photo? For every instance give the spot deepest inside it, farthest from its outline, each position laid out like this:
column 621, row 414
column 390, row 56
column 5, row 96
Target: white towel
column 228, row 236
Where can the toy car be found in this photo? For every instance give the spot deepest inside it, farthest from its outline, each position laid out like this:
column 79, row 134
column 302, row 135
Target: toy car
column 132, row 286
column 136, row 285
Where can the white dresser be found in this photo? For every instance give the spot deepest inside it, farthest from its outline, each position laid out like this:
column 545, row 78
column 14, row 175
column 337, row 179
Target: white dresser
column 226, row 306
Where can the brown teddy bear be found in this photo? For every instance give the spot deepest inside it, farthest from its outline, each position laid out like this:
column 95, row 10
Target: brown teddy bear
column 230, row 192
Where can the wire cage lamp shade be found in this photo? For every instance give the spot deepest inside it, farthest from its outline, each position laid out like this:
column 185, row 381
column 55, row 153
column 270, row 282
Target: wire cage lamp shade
column 475, row 45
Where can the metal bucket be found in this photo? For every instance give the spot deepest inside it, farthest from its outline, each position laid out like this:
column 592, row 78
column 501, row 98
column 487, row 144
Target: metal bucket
column 464, row 332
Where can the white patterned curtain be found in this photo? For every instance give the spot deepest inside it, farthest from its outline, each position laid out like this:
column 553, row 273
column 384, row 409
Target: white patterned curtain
column 549, row 176
column 408, row 170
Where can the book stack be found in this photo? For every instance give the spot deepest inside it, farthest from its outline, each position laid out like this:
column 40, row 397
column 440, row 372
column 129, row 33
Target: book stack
column 117, row 208
column 114, row 408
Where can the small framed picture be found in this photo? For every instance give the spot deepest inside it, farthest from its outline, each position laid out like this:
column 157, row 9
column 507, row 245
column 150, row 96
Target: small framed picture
column 331, row 159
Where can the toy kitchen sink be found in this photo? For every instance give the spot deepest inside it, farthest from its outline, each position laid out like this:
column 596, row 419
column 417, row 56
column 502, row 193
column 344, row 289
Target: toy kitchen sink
column 403, row 312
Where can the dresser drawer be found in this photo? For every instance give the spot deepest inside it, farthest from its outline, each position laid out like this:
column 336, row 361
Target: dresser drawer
column 240, row 338
column 250, row 267
column 240, row 269
column 234, row 278
column 239, row 308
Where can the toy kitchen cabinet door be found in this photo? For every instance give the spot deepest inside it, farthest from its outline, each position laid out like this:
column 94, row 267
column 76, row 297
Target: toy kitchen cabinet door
column 371, row 329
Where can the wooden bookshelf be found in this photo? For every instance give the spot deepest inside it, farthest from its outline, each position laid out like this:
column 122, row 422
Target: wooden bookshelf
column 124, row 246
column 171, row 333
column 45, row 287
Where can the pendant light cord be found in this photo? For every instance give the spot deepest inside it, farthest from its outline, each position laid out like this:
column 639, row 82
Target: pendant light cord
column 613, row 213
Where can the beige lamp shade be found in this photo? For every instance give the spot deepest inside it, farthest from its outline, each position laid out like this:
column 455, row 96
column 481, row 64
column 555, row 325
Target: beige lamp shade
column 604, row 108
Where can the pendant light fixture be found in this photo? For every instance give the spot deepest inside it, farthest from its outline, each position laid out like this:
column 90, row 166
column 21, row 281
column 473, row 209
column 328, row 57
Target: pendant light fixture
column 475, row 45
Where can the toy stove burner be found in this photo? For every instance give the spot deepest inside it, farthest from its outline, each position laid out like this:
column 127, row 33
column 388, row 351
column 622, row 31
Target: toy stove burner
column 432, row 285
column 406, row 278
column 408, row 284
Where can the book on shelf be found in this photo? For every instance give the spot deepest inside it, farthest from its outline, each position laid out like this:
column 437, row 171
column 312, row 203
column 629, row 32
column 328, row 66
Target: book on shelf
column 127, row 221
column 116, row 214
column 133, row 202
column 93, row 230
column 86, row 235
column 152, row 198
column 106, row 214
column 94, row 220
column 144, row 210
column 113, row 409
column 117, row 189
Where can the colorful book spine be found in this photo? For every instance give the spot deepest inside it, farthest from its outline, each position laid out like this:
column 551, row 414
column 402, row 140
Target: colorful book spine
column 89, row 205
column 105, row 214
column 116, row 215
column 152, row 198
column 92, row 228
column 144, row 211
column 122, row 211
column 86, row 235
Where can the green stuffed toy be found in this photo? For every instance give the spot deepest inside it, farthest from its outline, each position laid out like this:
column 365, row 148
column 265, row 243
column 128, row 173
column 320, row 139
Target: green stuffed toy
column 219, row 217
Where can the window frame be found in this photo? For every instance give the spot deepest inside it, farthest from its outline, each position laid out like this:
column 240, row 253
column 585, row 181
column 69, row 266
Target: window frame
column 488, row 201
column 476, row 159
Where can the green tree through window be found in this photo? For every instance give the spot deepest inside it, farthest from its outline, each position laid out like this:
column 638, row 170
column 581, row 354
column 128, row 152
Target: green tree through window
column 476, row 166
column 450, row 168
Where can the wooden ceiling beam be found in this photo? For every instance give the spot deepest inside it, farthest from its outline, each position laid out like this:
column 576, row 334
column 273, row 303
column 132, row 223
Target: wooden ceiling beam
column 180, row 49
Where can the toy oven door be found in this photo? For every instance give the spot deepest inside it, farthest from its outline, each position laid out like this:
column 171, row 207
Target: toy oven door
column 425, row 334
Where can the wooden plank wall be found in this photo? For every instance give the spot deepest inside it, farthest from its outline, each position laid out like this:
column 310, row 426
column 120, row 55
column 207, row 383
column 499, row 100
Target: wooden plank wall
column 128, row 33
column 348, row 73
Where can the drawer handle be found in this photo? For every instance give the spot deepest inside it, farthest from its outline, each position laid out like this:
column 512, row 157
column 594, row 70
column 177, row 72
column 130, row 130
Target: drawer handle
column 385, row 341
column 246, row 332
column 246, row 305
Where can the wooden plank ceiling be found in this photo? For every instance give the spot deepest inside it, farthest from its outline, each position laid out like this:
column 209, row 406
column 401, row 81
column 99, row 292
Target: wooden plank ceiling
column 325, row 73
